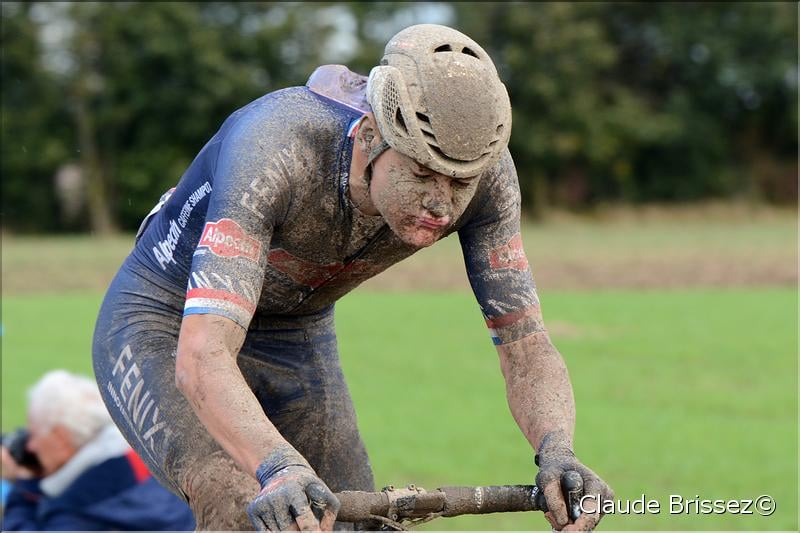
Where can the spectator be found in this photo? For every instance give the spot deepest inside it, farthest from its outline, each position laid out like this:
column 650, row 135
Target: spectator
column 90, row 478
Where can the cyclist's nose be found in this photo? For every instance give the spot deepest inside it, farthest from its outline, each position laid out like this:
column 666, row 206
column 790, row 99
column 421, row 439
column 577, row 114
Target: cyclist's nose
column 435, row 208
column 437, row 200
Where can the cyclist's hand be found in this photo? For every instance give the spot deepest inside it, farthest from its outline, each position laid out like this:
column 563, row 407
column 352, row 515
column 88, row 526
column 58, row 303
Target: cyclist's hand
column 292, row 497
column 554, row 458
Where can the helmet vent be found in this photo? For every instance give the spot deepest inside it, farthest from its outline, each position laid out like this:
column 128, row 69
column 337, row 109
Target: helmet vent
column 446, row 157
column 443, row 48
column 426, row 129
column 391, row 102
column 399, row 122
column 469, row 52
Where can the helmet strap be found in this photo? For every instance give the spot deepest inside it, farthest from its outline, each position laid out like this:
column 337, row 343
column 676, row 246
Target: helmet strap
column 373, row 155
column 378, row 150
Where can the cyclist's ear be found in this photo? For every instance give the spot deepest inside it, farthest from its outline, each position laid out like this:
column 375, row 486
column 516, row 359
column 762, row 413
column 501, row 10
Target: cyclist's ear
column 368, row 136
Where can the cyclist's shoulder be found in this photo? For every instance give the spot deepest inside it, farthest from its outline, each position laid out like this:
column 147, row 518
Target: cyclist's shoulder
column 284, row 107
column 499, row 182
column 497, row 196
column 503, row 170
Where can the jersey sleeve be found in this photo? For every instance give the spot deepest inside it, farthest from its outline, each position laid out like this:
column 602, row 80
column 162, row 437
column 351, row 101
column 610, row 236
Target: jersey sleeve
column 497, row 267
column 250, row 197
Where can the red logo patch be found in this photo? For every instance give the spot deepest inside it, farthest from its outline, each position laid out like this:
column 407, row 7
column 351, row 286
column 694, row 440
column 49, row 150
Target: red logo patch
column 226, row 238
column 315, row 275
column 510, row 255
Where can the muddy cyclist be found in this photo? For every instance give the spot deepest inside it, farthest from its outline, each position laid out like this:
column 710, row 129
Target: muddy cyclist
column 215, row 345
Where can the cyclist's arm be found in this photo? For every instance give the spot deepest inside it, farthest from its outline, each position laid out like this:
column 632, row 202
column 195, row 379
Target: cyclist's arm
column 250, row 196
column 538, row 387
column 537, row 383
column 208, row 376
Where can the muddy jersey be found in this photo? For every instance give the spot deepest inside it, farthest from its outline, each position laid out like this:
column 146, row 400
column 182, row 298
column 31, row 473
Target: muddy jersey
column 261, row 222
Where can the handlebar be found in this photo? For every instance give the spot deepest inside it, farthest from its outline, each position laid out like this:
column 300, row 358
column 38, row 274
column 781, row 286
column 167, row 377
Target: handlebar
column 413, row 504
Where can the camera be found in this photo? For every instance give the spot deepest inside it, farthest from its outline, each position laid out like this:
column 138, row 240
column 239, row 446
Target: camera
column 15, row 442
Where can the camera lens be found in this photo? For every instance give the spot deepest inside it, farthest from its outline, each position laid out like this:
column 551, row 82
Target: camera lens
column 16, row 443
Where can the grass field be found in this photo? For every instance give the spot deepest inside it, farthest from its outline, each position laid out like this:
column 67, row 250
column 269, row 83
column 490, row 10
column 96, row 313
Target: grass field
column 687, row 391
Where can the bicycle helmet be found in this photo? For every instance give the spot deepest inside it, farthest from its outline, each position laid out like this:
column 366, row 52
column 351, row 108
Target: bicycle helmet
column 437, row 98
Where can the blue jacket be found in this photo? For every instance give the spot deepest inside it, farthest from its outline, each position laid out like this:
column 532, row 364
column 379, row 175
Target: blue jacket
column 116, row 494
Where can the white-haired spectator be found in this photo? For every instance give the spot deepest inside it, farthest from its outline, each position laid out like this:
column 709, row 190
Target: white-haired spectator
column 89, row 478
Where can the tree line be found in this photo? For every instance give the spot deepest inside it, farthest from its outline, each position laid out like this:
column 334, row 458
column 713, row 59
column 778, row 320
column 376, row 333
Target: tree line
column 105, row 104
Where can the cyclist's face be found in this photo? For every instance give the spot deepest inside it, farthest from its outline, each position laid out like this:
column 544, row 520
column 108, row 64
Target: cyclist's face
column 418, row 204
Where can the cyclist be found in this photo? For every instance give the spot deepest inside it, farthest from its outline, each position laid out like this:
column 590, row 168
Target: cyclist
column 215, row 346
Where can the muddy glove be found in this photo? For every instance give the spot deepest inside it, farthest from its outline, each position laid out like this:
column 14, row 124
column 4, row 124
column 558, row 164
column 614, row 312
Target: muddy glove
column 555, row 457
column 292, row 496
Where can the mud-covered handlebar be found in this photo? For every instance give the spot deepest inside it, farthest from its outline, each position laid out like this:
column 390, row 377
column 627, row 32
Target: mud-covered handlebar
column 415, row 502
column 397, row 506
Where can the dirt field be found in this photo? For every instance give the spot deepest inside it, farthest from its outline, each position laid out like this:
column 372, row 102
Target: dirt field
column 717, row 245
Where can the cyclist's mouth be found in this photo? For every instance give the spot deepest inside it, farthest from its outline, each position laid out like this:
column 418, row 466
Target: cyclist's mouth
column 433, row 224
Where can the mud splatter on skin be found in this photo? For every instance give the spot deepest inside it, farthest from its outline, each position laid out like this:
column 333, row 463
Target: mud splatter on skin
column 218, row 492
column 207, row 374
column 540, row 398
column 309, row 406
column 414, row 200
column 538, row 387
column 419, row 205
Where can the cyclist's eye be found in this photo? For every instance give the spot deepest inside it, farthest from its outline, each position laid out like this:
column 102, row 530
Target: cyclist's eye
column 461, row 184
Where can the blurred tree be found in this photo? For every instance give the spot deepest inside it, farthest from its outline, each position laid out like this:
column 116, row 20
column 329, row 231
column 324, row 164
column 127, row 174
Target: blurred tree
column 33, row 119
column 728, row 72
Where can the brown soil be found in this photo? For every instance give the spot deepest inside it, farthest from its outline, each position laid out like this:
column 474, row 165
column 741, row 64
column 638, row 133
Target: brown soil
column 649, row 271
column 715, row 246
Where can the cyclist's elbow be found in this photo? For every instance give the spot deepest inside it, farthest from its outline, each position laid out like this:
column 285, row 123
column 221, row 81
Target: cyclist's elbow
column 189, row 357
column 185, row 368
column 207, row 345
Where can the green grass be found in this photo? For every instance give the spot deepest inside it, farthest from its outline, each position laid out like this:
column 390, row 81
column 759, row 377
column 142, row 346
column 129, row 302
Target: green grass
column 688, row 392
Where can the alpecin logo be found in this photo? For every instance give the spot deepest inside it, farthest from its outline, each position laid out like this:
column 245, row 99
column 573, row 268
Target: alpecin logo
column 510, row 255
column 226, row 238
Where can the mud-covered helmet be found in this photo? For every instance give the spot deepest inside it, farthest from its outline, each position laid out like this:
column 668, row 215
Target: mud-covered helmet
column 437, row 98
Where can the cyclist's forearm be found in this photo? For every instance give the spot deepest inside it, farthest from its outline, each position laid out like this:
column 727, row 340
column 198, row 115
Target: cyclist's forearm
column 538, row 387
column 207, row 375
